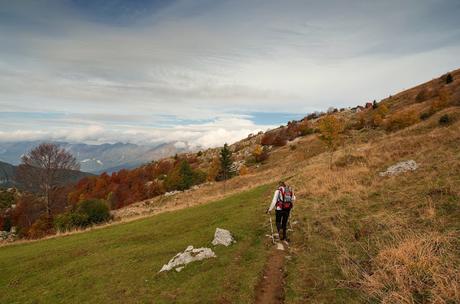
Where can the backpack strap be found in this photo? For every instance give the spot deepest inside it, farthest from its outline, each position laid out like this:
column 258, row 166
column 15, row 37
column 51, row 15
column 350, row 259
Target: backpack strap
column 282, row 193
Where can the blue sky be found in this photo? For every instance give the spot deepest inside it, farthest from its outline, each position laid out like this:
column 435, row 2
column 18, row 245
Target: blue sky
column 206, row 72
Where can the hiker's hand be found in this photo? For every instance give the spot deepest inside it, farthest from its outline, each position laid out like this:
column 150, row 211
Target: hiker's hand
column 268, row 211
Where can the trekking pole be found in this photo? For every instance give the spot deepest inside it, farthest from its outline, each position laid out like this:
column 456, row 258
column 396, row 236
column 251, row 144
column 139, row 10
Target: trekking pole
column 271, row 227
column 290, row 218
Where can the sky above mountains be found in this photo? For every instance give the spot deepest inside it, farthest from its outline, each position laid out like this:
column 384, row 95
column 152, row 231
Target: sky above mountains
column 207, row 71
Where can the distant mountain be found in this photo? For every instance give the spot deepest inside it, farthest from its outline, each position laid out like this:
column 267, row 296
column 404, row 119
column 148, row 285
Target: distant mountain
column 8, row 176
column 7, row 173
column 97, row 158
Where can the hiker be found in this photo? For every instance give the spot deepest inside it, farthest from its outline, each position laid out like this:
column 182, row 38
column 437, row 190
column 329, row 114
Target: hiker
column 283, row 200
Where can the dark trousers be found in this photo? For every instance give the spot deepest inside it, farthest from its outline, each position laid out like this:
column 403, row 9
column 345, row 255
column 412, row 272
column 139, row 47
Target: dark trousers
column 282, row 217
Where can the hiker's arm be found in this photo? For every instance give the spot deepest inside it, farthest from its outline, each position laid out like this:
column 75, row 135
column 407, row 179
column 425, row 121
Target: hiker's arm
column 275, row 198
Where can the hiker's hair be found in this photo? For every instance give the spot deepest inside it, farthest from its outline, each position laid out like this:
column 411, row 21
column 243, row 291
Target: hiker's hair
column 281, row 183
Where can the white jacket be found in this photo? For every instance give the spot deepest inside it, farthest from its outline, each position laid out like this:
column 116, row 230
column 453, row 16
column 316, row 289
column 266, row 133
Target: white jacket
column 275, row 199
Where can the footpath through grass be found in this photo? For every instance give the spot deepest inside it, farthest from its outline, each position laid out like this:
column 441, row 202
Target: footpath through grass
column 119, row 264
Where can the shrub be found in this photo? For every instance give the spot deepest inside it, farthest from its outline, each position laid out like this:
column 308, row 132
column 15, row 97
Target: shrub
column 260, row 153
column 213, row 170
column 70, row 220
column 455, row 98
column 377, row 120
column 438, row 105
column 422, row 96
column 382, row 110
column 275, row 138
column 86, row 213
column 5, row 223
column 305, row 128
column 425, row 115
column 6, row 199
column 268, row 139
column 349, row 160
column 280, row 140
column 449, row 78
column 444, row 119
column 243, row 170
column 97, row 211
column 43, row 226
column 402, row 120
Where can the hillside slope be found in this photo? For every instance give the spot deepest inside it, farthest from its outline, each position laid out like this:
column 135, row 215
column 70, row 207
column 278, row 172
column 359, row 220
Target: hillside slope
column 120, row 264
column 358, row 237
column 7, row 173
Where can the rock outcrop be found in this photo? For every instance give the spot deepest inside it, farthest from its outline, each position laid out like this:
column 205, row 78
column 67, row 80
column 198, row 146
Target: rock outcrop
column 401, row 167
column 223, row 237
column 189, row 255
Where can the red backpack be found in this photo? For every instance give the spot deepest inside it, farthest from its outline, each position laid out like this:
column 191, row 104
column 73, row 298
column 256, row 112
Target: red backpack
column 285, row 198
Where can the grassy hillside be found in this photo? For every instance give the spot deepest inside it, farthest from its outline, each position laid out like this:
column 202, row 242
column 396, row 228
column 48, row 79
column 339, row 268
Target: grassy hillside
column 119, row 264
column 385, row 239
column 359, row 237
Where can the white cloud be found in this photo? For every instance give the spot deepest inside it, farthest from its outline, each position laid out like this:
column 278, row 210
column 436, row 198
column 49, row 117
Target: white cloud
column 211, row 134
column 209, row 59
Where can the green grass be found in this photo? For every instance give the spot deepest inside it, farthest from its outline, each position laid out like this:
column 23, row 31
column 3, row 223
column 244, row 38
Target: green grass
column 119, row 264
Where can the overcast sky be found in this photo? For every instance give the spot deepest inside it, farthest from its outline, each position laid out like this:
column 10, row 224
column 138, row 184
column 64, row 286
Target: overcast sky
column 207, row 71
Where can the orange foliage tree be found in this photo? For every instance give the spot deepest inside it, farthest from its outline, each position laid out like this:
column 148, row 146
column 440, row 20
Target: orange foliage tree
column 330, row 128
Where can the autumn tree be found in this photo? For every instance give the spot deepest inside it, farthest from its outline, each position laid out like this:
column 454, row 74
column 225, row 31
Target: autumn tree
column 330, row 128
column 213, row 170
column 45, row 168
column 260, row 153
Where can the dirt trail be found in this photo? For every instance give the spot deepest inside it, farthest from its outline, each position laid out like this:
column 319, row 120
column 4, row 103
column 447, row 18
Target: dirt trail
column 270, row 288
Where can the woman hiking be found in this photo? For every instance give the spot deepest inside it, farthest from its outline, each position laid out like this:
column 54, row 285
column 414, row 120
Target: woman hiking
column 283, row 200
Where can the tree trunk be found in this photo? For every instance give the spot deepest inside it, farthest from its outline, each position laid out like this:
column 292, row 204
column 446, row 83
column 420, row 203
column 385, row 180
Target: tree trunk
column 330, row 159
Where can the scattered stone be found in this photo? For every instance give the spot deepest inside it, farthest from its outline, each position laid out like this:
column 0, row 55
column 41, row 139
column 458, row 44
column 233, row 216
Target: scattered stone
column 223, row 237
column 279, row 246
column 189, row 255
column 8, row 236
column 172, row 193
column 404, row 166
column 179, row 269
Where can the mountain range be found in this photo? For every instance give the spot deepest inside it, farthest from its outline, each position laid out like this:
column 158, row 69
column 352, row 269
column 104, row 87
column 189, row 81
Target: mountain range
column 8, row 177
column 97, row 158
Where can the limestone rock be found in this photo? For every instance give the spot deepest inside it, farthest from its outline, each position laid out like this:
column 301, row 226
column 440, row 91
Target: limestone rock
column 223, row 237
column 189, row 255
column 404, row 166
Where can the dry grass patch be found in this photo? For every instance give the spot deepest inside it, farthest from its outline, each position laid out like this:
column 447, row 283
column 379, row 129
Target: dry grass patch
column 415, row 269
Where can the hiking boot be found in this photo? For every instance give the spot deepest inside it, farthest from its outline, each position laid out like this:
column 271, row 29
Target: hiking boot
column 281, row 235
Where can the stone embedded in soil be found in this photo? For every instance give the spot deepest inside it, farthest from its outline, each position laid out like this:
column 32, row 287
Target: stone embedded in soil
column 189, row 255
column 223, row 237
column 401, row 167
column 179, row 269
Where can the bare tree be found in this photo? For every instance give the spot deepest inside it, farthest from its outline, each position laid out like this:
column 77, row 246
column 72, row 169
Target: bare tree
column 45, row 168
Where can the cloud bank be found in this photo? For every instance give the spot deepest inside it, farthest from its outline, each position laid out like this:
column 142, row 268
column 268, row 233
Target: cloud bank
column 195, row 70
